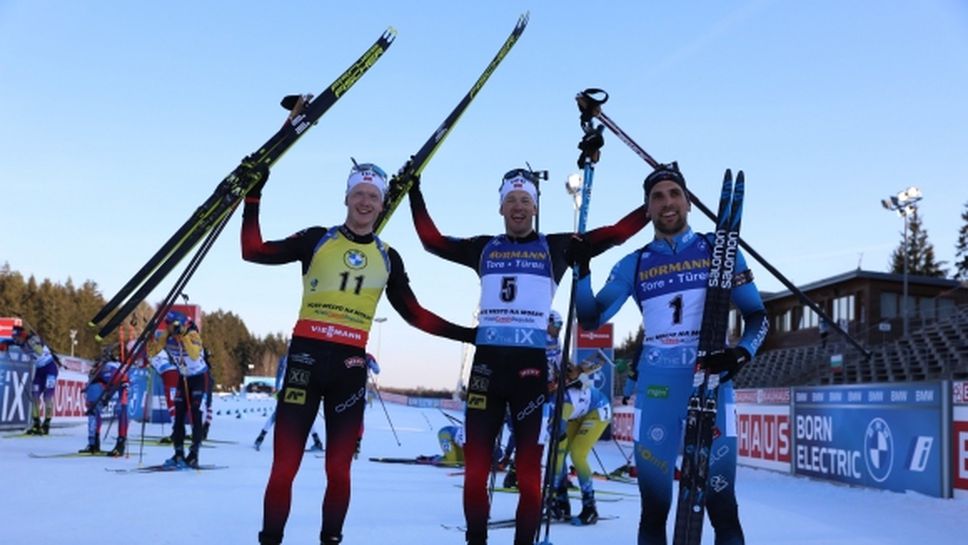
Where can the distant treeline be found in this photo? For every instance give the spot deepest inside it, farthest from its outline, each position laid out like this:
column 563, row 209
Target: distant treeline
column 53, row 310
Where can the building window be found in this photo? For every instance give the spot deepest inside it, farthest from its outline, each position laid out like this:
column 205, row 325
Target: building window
column 946, row 308
column 844, row 309
column 926, row 308
column 808, row 318
column 888, row 305
column 783, row 322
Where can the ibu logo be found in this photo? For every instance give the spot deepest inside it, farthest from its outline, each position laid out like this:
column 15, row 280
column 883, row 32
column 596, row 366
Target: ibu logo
column 879, row 449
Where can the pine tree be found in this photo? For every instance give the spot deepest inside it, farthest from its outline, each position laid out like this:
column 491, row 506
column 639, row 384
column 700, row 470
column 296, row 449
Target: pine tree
column 961, row 248
column 920, row 252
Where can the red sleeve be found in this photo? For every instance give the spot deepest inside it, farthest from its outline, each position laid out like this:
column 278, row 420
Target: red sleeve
column 465, row 251
column 603, row 238
column 298, row 247
column 404, row 301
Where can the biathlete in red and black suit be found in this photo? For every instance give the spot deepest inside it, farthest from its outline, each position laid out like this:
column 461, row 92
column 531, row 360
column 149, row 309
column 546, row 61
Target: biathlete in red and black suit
column 345, row 270
column 519, row 272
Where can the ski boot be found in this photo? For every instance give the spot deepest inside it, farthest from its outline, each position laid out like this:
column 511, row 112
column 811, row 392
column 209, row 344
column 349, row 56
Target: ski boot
column 93, row 446
column 269, row 539
column 192, row 459
column 330, row 540
column 259, row 439
column 35, row 429
column 589, row 514
column 177, row 461
column 119, row 448
column 511, row 479
column 45, row 427
column 558, row 504
column 317, row 444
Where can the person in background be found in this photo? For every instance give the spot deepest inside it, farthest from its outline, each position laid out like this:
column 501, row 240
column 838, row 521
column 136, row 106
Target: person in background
column 102, row 375
column 182, row 342
column 45, row 377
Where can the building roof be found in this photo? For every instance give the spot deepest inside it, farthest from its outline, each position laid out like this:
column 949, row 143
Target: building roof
column 867, row 275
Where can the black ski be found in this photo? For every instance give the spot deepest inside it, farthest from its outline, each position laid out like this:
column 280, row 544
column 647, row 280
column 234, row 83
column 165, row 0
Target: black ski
column 162, row 468
column 400, row 183
column 306, row 111
column 511, row 523
column 701, row 412
column 419, row 460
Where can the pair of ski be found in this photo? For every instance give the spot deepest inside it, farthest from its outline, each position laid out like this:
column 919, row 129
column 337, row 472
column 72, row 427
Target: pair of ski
column 496, row 524
column 208, row 221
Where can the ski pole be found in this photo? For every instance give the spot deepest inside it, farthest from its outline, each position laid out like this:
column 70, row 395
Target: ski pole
column 385, row 411
column 625, row 138
column 591, row 145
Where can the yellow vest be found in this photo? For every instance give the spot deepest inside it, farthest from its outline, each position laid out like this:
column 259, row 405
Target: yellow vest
column 341, row 289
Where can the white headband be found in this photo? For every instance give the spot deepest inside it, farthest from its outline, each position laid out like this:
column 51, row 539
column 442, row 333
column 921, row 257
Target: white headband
column 519, row 183
column 366, row 176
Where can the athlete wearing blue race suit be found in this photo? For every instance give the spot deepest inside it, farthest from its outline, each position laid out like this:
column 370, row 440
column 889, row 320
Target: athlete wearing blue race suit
column 667, row 278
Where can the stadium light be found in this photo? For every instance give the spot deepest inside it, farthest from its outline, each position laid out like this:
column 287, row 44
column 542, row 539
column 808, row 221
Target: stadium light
column 905, row 203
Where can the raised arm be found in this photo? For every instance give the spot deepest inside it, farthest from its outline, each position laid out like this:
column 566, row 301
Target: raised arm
column 404, row 301
column 463, row 251
column 605, row 237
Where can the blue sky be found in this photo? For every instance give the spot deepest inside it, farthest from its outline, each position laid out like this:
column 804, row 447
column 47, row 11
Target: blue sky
column 118, row 118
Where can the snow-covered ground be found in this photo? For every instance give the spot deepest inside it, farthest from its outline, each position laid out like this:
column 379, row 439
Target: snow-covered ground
column 75, row 501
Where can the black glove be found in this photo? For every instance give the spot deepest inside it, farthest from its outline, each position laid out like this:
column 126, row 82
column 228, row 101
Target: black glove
column 260, row 173
column 406, row 174
column 625, row 400
column 579, row 255
column 591, row 146
column 728, row 360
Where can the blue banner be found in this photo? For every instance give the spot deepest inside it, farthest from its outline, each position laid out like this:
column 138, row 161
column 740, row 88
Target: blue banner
column 15, row 377
column 881, row 436
column 139, row 378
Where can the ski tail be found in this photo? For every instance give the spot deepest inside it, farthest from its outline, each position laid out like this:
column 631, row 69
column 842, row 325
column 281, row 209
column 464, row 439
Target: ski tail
column 400, row 183
column 702, row 409
column 229, row 193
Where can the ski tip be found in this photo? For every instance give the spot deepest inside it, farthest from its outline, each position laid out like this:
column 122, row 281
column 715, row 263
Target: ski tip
column 523, row 20
column 728, row 176
column 389, row 35
column 98, row 338
column 740, row 177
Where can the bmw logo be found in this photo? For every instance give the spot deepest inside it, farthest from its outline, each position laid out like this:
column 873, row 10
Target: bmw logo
column 879, row 449
column 354, row 259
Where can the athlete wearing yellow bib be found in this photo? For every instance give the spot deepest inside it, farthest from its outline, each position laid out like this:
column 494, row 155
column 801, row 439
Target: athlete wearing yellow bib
column 345, row 270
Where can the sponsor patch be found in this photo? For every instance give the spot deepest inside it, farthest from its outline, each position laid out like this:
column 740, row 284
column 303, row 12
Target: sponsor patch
column 479, row 384
column 476, row 401
column 481, row 369
column 354, row 259
column 657, row 392
column 657, row 434
column 296, row 396
column 302, row 358
column 354, row 361
column 297, row 377
column 529, row 372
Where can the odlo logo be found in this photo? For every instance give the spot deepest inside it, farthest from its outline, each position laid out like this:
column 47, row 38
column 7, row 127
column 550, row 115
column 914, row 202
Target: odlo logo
column 657, row 392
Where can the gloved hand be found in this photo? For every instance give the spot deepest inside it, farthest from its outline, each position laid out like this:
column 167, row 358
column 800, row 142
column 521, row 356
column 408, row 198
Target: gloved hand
column 261, row 173
column 579, row 254
column 406, row 174
column 729, row 360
